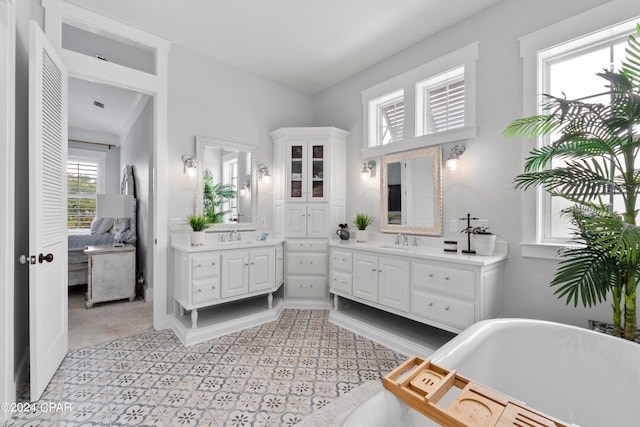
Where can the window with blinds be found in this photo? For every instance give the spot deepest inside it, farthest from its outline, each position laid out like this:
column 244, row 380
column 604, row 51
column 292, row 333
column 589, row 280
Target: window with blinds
column 441, row 102
column 386, row 118
column 391, row 121
column 82, row 184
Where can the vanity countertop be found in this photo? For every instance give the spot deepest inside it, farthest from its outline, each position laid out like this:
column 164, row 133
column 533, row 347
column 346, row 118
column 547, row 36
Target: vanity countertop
column 430, row 252
column 181, row 243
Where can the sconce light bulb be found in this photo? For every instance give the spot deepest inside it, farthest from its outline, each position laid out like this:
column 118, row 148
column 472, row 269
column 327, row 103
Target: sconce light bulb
column 452, row 165
column 191, row 172
column 266, row 178
column 365, row 176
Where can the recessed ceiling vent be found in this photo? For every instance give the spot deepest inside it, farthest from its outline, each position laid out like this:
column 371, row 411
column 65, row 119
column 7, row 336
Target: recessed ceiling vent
column 98, row 104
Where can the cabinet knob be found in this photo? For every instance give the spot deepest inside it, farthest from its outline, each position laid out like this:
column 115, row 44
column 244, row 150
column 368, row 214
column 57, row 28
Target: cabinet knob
column 446, row 309
column 373, row 269
column 245, row 264
column 213, row 263
column 431, row 275
column 344, row 259
column 199, row 265
column 446, row 278
column 253, row 263
column 430, row 304
column 213, row 287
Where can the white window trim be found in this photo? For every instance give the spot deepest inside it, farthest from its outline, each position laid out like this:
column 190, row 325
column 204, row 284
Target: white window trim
column 610, row 15
column 374, row 106
column 465, row 56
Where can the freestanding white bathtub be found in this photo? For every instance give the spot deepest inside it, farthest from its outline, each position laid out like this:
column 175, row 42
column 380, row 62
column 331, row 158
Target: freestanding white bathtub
column 573, row 374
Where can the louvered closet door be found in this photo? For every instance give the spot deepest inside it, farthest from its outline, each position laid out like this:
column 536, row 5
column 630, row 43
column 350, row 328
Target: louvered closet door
column 47, row 211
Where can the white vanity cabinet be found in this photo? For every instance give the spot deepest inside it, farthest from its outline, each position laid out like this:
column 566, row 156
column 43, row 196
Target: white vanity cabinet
column 204, row 277
column 306, row 267
column 449, row 291
column 383, row 280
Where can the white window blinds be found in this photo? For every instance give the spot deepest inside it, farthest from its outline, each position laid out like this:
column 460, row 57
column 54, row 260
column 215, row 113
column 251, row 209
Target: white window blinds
column 446, row 107
column 82, row 177
column 392, row 122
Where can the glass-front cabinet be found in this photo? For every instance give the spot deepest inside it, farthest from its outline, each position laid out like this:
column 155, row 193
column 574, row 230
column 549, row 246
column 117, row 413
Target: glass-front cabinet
column 305, row 176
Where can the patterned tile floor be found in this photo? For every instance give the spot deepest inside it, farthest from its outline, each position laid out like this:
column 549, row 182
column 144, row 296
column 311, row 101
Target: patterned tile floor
column 271, row 375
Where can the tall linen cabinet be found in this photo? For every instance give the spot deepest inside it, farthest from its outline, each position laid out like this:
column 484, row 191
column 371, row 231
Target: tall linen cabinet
column 309, row 192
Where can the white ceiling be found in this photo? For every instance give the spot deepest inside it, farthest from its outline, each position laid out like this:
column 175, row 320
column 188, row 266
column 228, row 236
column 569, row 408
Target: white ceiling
column 88, row 122
column 306, row 44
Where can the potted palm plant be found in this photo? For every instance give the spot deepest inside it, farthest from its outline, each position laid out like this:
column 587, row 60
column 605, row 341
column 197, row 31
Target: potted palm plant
column 198, row 223
column 362, row 221
column 214, row 196
column 598, row 144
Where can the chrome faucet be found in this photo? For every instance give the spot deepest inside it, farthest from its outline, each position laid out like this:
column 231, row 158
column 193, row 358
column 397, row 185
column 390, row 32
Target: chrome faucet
column 401, row 237
column 232, row 234
column 414, row 243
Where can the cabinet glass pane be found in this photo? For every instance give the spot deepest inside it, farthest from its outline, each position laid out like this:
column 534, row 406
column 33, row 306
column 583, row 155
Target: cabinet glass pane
column 318, row 151
column 296, row 188
column 296, row 151
column 318, row 189
column 318, row 169
column 296, row 169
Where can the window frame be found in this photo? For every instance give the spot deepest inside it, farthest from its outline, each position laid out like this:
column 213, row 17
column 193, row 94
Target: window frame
column 97, row 157
column 466, row 57
column 585, row 29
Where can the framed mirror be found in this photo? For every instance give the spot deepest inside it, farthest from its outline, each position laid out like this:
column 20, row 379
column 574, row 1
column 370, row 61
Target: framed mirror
column 226, row 183
column 411, row 192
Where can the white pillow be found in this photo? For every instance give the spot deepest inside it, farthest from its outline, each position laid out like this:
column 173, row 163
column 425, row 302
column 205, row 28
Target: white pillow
column 105, row 225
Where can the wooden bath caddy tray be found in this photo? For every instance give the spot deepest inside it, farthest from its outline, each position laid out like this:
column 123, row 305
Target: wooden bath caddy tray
column 474, row 406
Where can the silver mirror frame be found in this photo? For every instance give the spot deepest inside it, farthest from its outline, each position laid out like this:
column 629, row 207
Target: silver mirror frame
column 202, row 142
column 434, row 152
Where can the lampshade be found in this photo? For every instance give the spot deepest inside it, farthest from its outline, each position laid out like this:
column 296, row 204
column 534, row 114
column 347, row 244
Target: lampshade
column 114, row 206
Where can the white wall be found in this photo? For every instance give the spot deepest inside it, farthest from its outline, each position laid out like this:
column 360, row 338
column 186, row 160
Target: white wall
column 210, row 98
column 484, row 185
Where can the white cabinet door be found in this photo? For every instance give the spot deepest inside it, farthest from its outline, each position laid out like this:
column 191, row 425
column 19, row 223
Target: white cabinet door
column 365, row 276
column 279, row 265
column 235, row 274
column 296, row 171
column 317, row 173
column 394, row 286
column 295, row 220
column 317, row 220
column 261, row 271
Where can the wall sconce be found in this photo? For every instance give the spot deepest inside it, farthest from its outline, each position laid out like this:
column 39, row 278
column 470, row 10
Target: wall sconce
column 452, row 161
column 368, row 170
column 263, row 173
column 190, row 166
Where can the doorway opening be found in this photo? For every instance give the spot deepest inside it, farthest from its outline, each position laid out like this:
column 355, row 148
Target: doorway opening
column 110, row 152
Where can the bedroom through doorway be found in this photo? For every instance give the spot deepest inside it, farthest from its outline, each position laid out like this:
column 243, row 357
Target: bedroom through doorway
column 110, row 153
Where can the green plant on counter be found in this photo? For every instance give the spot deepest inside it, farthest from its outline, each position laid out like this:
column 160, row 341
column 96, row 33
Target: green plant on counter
column 198, row 222
column 362, row 221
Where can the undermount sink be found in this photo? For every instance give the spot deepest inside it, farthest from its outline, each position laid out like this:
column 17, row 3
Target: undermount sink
column 398, row 248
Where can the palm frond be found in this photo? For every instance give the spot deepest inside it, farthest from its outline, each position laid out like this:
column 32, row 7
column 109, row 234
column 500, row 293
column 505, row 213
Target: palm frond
column 584, row 274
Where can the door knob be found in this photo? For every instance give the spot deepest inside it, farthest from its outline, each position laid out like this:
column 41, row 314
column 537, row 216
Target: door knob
column 47, row 257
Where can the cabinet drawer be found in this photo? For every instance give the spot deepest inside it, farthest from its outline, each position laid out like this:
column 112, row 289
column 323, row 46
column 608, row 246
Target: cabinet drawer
column 341, row 260
column 307, row 245
column 341, row 282
column 307, row 264
column 457, row 314
column 205, row 291
column 453, row 282
column 306, row 287
column 203, row 266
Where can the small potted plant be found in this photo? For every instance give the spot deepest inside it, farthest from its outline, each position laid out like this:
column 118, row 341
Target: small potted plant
column 484, row 241
column 198, row 224
column 362, row 221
